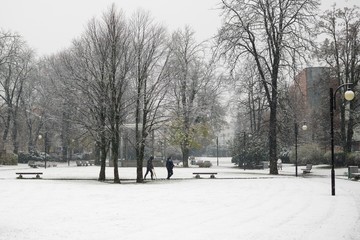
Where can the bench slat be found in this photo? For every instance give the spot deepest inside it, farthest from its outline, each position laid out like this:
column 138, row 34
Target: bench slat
column 24, row 173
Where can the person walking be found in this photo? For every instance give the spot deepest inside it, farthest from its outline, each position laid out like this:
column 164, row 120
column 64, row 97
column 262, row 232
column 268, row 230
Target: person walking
column 169, row 167
column 279, row 164
column 149, row 168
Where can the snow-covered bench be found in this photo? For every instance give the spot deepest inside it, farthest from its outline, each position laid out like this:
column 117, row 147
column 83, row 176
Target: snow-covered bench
column 212, row 174
column 307, row 169
column 355, row 176
column 28, row 173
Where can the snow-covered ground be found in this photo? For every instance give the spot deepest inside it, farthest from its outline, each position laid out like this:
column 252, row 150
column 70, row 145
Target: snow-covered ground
column 68, row 203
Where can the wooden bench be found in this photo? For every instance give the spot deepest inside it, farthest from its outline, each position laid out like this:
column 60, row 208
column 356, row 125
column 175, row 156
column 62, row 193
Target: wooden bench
column 212, row 174
column 29, row 173
column 355, row 176
column 307, row 169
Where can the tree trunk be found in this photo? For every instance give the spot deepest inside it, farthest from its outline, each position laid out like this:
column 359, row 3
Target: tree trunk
column 139, row 161
column 14, row 136
column 273, row 117
column 30, row 139
column 185, row 152
column 103, row 148
column 6, row 127
column 185, row 149
column 272, row 140
column 115, row 152
column 97, row 154
column 102, row 175
column 115, row 155
column 138, row 138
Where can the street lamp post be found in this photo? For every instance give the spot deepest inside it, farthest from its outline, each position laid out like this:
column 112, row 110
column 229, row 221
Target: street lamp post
column 217, row 151
column 71, row 150
column 244, row 150
column 45, row 138
column 304, row 127
column 349, row 95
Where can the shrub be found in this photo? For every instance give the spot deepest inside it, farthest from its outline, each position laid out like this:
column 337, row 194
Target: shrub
column 205, row 164
column 8, row 159
column 26, row 157
column 308, row 153
column 353, row 159
column 357, row 161
column 338, row 158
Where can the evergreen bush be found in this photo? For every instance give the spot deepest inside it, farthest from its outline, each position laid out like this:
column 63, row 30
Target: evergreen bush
column 353, row 159
column 339, row 158
column 8, row 159
column 308, row 154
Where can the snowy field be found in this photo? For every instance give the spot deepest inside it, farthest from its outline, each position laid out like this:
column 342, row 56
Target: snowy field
column 68, row 203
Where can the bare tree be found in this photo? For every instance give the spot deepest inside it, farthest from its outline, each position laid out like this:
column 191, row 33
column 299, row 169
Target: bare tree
column 119, row 66
column 15, row 65
column 36, row 101
column 84, row 70
column 267, row 32
column 151, row 56
column 341, row 51
column 250, row 96
column 195, row 89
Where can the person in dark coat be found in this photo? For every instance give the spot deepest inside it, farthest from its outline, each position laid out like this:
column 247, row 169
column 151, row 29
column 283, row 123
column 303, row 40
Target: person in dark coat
column 169, row 167
column 149, row 168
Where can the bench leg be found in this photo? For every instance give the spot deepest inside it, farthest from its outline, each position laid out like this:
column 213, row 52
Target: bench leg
column 37, row 176
column 20, row 176
column 197, row 176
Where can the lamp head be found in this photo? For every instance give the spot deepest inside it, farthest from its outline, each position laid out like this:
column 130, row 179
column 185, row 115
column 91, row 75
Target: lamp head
column 349, row 95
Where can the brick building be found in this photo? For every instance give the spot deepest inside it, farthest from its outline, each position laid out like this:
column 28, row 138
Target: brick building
column 311, row 97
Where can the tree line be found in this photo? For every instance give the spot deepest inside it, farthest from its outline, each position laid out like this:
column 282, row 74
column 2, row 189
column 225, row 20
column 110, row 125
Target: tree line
column 130, row 72
column 120, row 73
column 267, row 44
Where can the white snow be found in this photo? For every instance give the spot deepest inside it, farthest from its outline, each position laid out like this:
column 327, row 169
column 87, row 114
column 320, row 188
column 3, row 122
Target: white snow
column 68, row 203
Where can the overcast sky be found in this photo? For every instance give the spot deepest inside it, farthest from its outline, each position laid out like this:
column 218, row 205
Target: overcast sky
column 49, row 26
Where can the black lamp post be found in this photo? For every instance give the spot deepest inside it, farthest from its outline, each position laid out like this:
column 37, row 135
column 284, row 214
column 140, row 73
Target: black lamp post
column 45, row 140
column 349, row 95
column 71, row 150
column 217, row 151
column 304, row 127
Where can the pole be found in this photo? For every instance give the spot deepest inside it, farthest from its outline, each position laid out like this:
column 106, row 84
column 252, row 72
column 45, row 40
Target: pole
column 45, row 140
column 332, row 141
column 348, row 97
column 217, row 150
column 244, row 149
column 296, row 157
